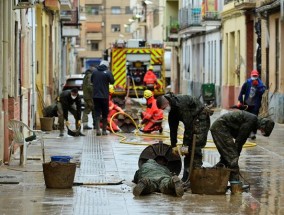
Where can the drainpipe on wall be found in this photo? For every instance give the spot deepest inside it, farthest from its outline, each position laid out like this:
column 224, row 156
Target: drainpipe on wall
column 5, row 75
column 1, row 81
column 33, row 93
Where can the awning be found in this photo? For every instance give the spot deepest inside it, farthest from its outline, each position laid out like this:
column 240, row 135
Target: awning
column 94, row 27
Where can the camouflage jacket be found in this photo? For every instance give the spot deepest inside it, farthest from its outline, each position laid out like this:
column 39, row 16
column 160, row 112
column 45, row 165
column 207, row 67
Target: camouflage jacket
column 87, row 85
column 184, row 108
column 238, row 123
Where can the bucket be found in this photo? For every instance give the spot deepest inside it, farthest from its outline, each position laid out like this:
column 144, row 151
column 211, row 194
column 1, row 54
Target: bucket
column 63, row 159
column 59, row 175
column 236, row 187
column 46, row 123
column 210, row 181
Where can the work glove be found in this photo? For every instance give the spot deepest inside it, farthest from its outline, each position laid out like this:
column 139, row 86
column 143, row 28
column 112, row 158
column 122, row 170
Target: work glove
column 79, row 123
column 175, row 150
column 67, row 123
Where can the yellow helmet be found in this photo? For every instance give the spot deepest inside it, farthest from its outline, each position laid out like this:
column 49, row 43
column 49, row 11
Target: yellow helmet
column 148, row 94
column 111, row 89
column 150, row 67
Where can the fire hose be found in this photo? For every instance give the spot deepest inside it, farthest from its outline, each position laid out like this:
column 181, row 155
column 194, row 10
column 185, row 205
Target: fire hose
column 123, row 137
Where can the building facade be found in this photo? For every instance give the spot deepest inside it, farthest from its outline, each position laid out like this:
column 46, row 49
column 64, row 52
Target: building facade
column 103, row 22
column 271, row 17
column 30, row 61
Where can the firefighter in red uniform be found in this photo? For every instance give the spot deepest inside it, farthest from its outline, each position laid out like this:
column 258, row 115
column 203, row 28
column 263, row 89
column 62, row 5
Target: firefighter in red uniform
column 113, row 109
column 150, row 79
column 152, row 118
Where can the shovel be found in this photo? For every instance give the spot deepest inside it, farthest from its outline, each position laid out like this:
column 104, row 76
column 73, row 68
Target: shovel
column 96, row 183
column 191, row 158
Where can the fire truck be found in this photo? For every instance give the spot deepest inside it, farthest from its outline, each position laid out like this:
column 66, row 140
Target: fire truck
column 130, row 61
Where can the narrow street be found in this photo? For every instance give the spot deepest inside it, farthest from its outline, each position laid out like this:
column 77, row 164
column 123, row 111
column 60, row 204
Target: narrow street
column 106, row 160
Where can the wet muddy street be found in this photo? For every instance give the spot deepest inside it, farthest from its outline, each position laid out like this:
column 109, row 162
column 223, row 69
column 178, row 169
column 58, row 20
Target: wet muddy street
column 110, row 159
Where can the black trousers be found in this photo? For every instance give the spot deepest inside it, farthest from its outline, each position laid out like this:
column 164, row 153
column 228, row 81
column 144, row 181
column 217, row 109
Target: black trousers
column 101, row 107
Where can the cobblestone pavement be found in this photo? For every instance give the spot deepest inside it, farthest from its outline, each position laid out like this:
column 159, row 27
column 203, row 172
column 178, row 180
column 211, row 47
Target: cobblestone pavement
column 105, row 159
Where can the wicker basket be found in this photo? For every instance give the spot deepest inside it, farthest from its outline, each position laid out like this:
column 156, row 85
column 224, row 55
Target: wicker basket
column 59, row 175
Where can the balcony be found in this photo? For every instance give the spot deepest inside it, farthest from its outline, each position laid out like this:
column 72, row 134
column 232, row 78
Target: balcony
column 69, row 17
column 190, row 20
column 211, row 15
column 244, row 4
column 94, row 36
column 190, row 17
column 92, row 2
column 65, row 5
column 94, row 18
column 66, row 15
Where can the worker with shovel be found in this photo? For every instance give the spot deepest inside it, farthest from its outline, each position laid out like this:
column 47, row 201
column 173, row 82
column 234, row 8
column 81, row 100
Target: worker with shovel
column 196, row 119
column 230, row 132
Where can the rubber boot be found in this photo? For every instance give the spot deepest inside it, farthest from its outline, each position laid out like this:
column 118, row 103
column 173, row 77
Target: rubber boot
column 97, row 126
column 104, row 126
column 85, row 126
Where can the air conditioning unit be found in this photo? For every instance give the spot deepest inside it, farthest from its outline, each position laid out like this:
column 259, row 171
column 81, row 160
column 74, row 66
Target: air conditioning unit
column 22, row 4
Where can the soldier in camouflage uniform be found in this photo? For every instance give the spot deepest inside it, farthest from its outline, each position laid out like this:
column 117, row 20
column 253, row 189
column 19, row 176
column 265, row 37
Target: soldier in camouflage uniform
column 236, row 125
column 88, row 98
column 196, row 119
column 154, row 177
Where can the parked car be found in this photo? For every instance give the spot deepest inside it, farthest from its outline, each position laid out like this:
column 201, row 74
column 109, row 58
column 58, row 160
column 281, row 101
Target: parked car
column 75, row 80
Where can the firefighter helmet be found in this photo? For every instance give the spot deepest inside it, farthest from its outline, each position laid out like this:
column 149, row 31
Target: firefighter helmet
column 111, row 89
column 148, row 94
column 150, row 67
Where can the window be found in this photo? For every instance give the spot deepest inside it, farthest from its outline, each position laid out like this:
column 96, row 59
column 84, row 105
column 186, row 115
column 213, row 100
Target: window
column 128, row 10
column 115, row 28
column 93, row 45
column 115, row 10
column 156, row 17
column 92, row 9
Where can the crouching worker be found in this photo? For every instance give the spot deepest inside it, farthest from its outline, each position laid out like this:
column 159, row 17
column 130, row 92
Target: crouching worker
column 113, row 109
column 152, row 118
column 230, row 133
column 155, row 177
column 64, row 105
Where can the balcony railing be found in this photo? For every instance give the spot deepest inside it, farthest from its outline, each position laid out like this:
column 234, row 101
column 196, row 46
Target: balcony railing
column 211, row 15
column 65, row 5
column 190, row 17
column 69, row 17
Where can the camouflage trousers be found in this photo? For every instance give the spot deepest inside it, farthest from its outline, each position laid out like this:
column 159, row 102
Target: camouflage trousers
column 61, row 117
column 158, row 176
column 89, row 107
column 228, row 149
